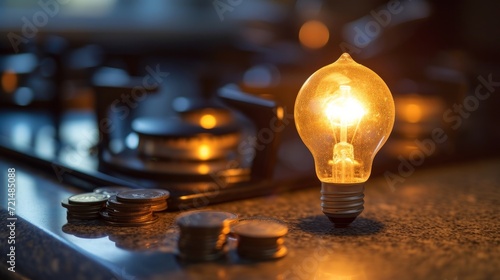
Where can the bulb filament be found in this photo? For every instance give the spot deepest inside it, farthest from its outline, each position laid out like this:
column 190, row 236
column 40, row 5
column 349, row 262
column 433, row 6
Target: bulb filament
column 344, row 112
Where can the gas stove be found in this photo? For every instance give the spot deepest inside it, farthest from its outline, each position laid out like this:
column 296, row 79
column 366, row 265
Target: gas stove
column 232, row 146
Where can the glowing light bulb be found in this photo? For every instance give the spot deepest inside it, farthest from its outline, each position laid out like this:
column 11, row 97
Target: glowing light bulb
column 344, row 114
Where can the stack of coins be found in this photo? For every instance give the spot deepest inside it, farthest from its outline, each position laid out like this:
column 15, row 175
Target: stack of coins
column 85, row 206
column 203, row 234
column 134, row 207
column 155, row 198
column 260, row 239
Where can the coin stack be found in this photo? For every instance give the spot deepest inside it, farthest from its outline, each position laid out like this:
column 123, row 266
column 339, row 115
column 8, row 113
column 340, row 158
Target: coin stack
column 134, row 207
column 156, row 198
column 260, row 239
column 203, row 234
column 85, row 206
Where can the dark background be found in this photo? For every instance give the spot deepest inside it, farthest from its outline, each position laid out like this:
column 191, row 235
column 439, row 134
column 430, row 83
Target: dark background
column 431, row 55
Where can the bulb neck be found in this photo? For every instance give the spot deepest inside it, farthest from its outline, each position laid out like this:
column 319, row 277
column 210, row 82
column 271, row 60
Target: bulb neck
column 342, row 203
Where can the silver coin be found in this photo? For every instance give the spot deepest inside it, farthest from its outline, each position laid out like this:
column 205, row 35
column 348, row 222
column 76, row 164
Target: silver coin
column 142, row 195
column 88, row 198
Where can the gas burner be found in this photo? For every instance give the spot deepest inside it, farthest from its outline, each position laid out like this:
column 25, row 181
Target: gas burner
column 201, row 135
column 193, row 146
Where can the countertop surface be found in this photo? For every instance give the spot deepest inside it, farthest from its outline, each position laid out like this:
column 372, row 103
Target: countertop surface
column 439, row 223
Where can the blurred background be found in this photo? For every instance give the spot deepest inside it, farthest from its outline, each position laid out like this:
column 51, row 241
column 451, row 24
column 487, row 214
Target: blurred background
column 65, row 65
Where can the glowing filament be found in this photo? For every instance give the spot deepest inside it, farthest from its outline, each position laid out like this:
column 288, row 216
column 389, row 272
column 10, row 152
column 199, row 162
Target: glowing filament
column 344, row 111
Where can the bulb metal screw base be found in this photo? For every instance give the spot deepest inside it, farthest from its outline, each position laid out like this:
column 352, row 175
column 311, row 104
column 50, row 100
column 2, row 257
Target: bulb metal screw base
column 342, row 203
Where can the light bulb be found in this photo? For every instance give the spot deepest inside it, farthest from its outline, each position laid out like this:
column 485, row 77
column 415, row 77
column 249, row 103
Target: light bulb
column 344, row 114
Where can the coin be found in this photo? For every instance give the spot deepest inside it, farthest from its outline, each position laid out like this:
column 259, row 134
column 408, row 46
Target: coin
column 197, row 242
column 134, row 207
column 113, row 212
column 203, row 234
column 83, row 217
column 260, row 229
column 142, row 209
column 260, row 239
column 159, row 207
column 156, row 206
column 142, row 195
column 137, row 211
column 205, row 219
column 276, row 254
column 132, row 219
column 128, row 207
column 79, row 207
column 82, row 207
column 153, row 220
column 261, row 242
column 111, row 190
column 70, row 216
column 88, row 198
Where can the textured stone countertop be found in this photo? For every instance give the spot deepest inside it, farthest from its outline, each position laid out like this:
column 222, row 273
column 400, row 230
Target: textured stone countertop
column 440, row 223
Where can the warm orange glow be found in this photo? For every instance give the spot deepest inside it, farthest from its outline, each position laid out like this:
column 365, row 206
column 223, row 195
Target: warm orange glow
column 339, row 268
column 204, row 152
column 344, row 113
column 280, row 113
column 343, row 109
column 9, row 81
column 419, row 109
column 412, row 113
column 314, row 34
column 208, row 121
column 203, row 168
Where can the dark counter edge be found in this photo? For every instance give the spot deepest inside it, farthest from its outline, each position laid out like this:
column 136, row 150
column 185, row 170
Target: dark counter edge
column 40, row 255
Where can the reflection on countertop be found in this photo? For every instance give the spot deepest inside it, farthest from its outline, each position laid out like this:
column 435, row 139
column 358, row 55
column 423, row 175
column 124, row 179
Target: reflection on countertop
column 438, row 224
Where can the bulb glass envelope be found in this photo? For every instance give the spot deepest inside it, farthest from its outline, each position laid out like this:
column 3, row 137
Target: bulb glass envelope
column 344, row 114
